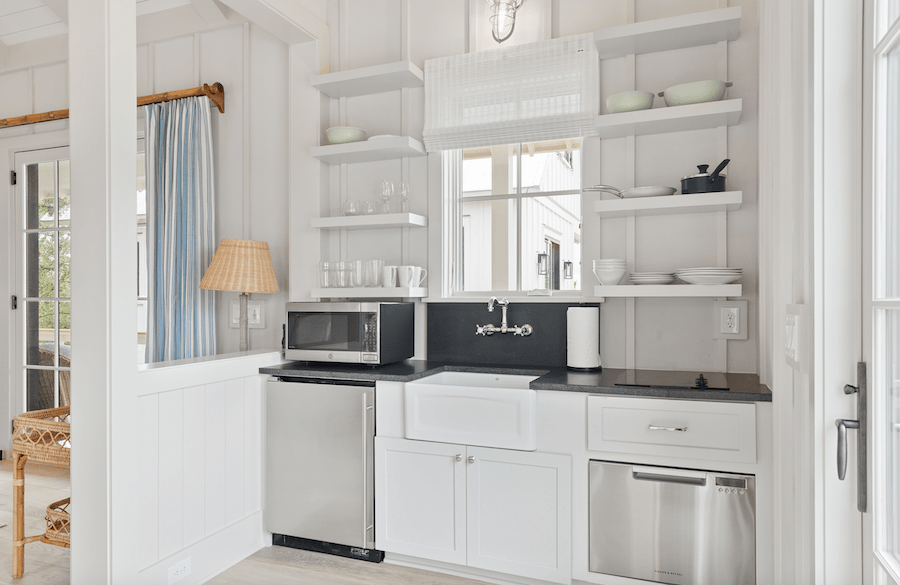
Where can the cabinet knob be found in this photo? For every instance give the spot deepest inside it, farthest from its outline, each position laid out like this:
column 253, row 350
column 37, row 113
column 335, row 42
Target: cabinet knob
column 458, row 457
column 471, row 459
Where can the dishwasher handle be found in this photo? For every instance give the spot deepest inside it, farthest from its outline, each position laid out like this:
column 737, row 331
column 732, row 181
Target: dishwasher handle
column 658, row 474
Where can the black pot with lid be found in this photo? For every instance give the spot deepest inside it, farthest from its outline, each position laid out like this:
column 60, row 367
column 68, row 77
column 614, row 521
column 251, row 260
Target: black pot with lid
column 704, row 182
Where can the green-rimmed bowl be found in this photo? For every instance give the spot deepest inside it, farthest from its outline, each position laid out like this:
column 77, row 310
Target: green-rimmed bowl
column 344, row 134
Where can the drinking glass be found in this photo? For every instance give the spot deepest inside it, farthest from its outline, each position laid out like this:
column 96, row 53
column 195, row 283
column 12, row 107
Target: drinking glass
column 358, row 273
column 368, row 207
column 351, row 207
column 325, row 274
column 373, row 272
column 341, row 274
column 404, row 197
column 387, row 191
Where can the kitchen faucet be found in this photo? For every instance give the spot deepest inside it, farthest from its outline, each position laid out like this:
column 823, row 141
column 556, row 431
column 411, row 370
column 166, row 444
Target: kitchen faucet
column 489, row 329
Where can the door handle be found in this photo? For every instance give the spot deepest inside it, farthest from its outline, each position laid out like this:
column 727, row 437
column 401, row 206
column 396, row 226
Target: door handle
column 842, row 426
column 860, row 424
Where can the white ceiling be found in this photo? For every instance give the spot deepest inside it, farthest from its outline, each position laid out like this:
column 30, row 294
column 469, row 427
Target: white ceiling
column 28, row 20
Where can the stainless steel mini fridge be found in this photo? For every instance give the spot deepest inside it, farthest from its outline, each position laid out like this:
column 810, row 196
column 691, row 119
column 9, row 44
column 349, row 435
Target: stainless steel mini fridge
column 668, row 525
column 320, row 482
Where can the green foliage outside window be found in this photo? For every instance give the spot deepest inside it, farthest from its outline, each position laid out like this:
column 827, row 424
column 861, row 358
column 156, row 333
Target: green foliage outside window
column 47, row 268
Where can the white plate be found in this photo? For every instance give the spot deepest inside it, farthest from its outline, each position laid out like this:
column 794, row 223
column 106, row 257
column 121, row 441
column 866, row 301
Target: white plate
column 382, row 136
column 658, row 281
column 711, row 269
column 721, row 279
column 652, row 274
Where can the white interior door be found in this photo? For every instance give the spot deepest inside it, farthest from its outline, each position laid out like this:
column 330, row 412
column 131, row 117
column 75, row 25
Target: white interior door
column 42, row 285
column 881, row 288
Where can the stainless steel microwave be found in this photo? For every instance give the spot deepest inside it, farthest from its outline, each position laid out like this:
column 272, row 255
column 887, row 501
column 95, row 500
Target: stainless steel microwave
column 372, row 333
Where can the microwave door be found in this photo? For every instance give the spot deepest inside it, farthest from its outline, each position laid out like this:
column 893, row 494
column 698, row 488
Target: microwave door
column 330, row 336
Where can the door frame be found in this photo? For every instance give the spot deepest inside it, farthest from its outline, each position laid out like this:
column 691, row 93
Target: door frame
column 8, row 148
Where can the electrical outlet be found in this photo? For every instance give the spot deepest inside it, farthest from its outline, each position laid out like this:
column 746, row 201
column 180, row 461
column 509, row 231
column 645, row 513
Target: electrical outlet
column 730, row 320
column 179, row 571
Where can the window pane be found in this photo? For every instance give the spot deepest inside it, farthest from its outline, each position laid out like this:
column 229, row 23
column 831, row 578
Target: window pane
column 490, row 170
column 65, row 334
column 891, row 421
column 551, row 166
column 40, row 333
column 41, row 265
column 65, row 207
column 40, row 391
column 65, row 264
column 551, row 225
column 489, row 245
column 887, row 12
column 889, row 234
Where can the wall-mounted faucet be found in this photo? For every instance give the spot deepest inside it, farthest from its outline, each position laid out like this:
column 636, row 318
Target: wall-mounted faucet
column 524, row 330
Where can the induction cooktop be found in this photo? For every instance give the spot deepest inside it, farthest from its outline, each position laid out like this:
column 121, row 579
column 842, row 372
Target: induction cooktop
column 673, row 380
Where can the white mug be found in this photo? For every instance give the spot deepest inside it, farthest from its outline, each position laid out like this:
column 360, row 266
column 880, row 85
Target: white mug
column 410, row 276
column 389, row 274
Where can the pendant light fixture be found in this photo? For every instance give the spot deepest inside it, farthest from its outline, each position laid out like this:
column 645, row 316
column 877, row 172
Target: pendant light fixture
column 503, row 18
column 542, row 261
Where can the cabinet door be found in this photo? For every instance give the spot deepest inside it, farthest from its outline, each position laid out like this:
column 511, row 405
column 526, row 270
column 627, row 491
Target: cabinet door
column 520, row 513
column 420, row 499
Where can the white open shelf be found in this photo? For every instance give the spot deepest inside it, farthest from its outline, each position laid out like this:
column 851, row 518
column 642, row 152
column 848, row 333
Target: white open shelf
column 668, row 290
column 671, row 204
column 670, row 119
column 383, row 292
column 368, row 151
column 370, row 222
column 676, row 32
column 367, row 80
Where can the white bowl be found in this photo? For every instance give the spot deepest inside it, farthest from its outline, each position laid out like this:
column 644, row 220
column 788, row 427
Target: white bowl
column 696, row 92
column 344, row 134
column 609, row 276
column 629, row 101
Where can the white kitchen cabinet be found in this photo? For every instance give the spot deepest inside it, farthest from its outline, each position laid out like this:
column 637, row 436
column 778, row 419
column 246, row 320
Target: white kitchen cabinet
column 495, row 509
column 420, row 499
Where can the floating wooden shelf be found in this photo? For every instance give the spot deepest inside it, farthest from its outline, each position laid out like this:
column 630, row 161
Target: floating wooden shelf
column 669, row 290
column 677, row 32
column 674, row 119
column 370, row 222
column 668, row 205
column 383, row 292
column 368, row 80
column 368, row 151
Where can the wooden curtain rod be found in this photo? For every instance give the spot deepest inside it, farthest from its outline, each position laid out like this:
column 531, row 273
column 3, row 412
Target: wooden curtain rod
column 215, row 92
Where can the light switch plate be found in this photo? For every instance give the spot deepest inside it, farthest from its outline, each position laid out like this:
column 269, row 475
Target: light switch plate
column 795, row 337
column 723, row 312
column 256, row 314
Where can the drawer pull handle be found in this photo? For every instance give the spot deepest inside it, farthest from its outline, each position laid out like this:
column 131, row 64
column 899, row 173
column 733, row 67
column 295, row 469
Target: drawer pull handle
column 670, row 429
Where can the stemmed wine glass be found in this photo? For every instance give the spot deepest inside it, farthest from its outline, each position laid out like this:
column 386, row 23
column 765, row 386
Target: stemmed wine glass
column 387, row 191
column 404, row 197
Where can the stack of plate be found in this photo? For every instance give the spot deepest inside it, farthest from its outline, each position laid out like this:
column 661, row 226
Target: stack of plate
column 652, row 277
column 709, row 275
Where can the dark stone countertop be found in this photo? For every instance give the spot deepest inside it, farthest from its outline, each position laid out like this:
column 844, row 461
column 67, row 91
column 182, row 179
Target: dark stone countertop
column 611, row 381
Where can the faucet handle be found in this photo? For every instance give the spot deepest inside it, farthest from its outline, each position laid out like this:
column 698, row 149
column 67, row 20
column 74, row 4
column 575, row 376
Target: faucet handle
column 525, row 330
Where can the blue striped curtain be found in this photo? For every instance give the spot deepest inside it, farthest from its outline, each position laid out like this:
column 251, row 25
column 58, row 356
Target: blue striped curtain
column 180, row 229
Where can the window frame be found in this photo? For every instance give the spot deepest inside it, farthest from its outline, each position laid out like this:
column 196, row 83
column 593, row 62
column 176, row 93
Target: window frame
column 450, row 201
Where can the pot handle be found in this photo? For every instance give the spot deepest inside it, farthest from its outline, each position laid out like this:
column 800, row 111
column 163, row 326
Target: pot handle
column 606, row 188
column 719, row 168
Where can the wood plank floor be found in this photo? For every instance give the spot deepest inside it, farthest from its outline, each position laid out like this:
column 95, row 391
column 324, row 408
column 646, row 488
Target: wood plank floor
column 277, row 565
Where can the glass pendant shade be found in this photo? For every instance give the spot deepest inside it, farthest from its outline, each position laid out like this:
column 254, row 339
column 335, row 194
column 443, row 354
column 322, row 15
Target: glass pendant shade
column 503, row 18
column 542, row 263
column 567, row 269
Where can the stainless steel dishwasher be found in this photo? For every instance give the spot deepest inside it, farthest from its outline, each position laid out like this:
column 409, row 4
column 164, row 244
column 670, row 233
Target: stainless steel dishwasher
column 669, row 525
column 320, row 455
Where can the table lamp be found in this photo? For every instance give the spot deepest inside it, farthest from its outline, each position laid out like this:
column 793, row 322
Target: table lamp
column 243, row 266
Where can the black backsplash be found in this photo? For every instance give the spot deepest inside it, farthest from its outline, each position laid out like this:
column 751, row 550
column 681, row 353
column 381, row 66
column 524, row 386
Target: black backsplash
column 451, row 333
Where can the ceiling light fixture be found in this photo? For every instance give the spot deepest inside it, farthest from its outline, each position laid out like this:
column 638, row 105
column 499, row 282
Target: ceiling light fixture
column 503, row 18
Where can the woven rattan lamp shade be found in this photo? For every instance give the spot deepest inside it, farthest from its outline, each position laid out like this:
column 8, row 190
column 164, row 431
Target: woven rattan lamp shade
column 241, row 266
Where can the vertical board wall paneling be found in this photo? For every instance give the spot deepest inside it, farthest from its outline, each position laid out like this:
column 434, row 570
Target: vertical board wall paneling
column 173, row 64
column 171, row 472
column 252, row 444
column 148, row 508
column 215, row 457
column 194, row 446
column 234, row 450
column 50, row 92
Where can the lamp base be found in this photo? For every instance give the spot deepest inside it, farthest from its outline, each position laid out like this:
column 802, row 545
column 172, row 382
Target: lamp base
column 244, row 324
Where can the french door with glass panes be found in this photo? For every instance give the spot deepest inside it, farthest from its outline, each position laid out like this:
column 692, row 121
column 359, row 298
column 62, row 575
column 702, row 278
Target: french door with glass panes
column 881, row 286
column 43, row 279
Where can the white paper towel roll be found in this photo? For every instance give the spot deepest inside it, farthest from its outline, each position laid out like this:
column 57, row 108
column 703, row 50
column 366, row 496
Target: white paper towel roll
column 583, row 337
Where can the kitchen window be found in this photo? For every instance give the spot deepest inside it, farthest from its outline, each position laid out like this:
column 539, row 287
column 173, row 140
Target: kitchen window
column 510, row 204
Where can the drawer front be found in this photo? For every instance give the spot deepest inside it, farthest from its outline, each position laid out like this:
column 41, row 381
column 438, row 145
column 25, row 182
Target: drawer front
column 715, row 431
